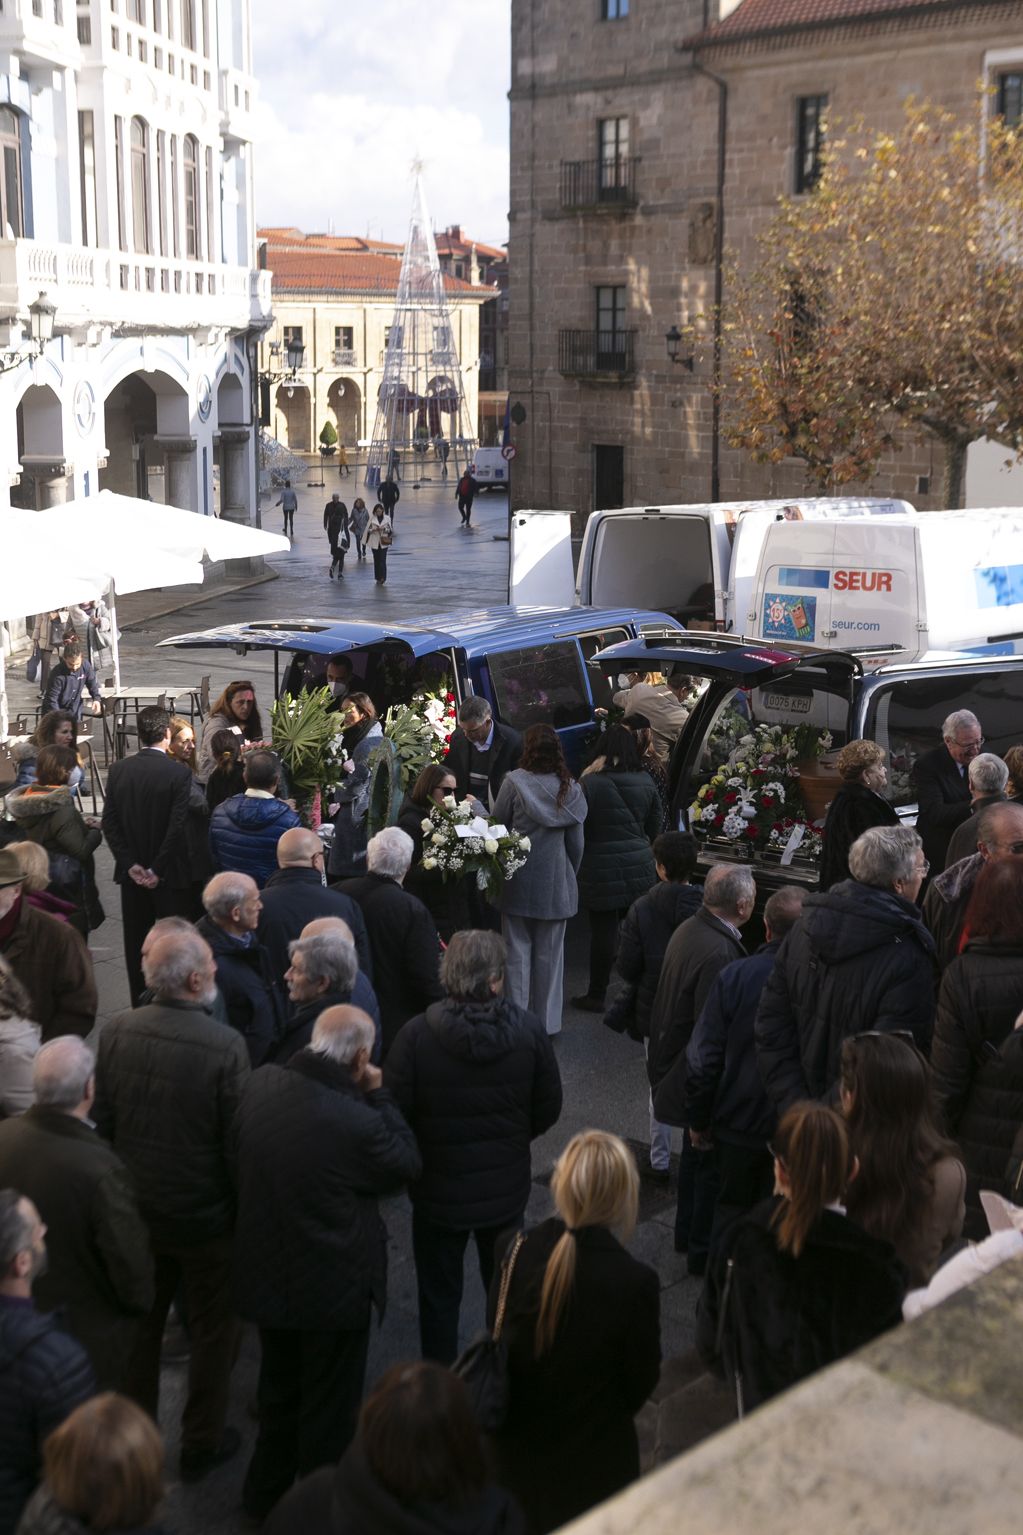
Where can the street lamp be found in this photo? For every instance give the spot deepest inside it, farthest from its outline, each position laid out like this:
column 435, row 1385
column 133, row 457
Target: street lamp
column 41, row 316
column 673, row 341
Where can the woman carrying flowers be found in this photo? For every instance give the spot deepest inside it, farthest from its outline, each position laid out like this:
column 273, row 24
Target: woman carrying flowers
column 447, row 900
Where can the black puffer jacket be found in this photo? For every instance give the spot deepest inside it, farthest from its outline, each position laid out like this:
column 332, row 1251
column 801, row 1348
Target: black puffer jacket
column 477, row 1082
column 723, row 1089
column 245, row 980
column 979, row 1086
column 405, row 947
column 168, row 1082
column 44, row 1516
column 447, row 900
column 642, row 943
column 314, row 1154
column 782, row 1318
column 859, row 958
column 854, row 810
column 44, row 1375
column 623, row 815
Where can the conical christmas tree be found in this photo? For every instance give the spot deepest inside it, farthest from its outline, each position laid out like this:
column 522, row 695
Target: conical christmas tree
column 422, row 426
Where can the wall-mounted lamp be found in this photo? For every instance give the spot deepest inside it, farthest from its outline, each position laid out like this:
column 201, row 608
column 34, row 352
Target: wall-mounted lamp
column 673, row 341
column 41, row 316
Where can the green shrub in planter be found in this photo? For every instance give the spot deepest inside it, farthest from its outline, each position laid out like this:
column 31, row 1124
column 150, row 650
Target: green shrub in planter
column 328, row 438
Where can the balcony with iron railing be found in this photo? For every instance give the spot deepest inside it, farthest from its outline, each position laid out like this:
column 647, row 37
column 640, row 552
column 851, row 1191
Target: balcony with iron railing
column 605, row 183
column 606, row 354
column 344, row 357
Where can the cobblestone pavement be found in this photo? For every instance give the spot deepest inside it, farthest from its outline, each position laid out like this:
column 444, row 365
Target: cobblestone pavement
column 434, row 566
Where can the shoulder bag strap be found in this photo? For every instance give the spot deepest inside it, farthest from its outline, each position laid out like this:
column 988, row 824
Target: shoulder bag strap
column 506, row 1277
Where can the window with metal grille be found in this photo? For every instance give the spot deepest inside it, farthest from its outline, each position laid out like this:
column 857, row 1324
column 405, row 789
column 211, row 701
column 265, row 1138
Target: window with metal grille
column 1010, row 98
column 810, row 112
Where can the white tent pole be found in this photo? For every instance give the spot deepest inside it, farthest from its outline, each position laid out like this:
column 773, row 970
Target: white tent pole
column 4, row 717
column 112, row 605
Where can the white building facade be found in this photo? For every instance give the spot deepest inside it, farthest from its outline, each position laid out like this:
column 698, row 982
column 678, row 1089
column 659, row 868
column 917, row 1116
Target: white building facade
column 127, row 199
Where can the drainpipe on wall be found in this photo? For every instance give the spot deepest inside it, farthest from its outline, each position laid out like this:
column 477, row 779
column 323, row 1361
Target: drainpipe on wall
column 719, row 258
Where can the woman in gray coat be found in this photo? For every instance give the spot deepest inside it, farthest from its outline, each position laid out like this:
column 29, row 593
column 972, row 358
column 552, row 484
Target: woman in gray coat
column 541, row 800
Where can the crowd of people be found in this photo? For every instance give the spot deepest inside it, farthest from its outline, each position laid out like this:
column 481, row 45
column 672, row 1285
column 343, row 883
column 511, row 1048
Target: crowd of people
column 297, row 1050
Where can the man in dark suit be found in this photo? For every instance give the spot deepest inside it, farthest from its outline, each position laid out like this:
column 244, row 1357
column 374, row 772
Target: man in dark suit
column 481, row 751
column 296, row 895
column 144, row 823
column 942, row 785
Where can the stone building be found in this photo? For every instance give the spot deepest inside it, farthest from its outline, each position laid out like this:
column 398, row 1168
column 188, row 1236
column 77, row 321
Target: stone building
column 641, row 130
column 334, row 295
column 127, row 200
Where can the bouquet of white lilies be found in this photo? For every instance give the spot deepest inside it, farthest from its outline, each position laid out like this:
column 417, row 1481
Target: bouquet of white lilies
column 457, row 841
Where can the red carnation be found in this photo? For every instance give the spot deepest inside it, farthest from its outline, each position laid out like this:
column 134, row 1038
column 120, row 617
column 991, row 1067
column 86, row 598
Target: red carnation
column 731, row 798
column 751, row 830
column 767, row 799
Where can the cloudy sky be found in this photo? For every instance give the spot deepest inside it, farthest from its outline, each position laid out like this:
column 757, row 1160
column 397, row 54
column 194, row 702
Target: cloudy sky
column 351, row 91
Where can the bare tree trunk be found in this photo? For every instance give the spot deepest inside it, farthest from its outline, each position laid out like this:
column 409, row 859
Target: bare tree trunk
column 954, row 479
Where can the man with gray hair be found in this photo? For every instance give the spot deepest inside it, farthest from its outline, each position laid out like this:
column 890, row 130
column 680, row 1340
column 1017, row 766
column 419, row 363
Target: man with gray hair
column 402, row 934
column 481, row 751
column 245, row 979
column 477, row 1078
column 100, row 1271
column 859, row 960
column 323, row 972
column 698, row 951
column 168, row 1081
column 988, row 776
column 999, row 835
column 941, row 784
column 319, row 1142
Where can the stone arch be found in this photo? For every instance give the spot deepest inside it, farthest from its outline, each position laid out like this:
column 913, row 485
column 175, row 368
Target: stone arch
column 40, row 429
column 147, row 418
column 293, row 417
column 232, row 406
column 344, row 401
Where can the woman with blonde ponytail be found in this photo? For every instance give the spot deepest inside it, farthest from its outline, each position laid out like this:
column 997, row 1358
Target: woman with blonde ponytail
column 796, row 1285
column 583, row 1331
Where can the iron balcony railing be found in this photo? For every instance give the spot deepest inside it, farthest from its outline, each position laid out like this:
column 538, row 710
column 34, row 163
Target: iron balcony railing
column 599, row 183
column 597, row 352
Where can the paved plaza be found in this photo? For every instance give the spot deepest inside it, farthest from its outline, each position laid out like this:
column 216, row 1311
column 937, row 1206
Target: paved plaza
column 434, row 567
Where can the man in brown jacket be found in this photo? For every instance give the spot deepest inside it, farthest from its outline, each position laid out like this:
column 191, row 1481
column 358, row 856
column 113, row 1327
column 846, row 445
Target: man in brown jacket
column 48, row 957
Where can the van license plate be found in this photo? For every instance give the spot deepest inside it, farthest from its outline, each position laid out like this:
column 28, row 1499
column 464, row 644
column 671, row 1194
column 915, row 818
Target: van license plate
column 795, row 703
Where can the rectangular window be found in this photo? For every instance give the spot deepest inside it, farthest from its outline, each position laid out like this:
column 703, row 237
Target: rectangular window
column 161, row 190
column 613, row 154
column 1010, row 98
column 540, row 686
column 611, row 303
column 84, row 30
column 292, row 336
column 211, row 244
column 193, row 205
column 608, row 476
column 174, row 195
column 906, row 718
column 135, row 10
column 809, row 140
column 122, row 228
column 157, row 15
column 87, row 176
column 140, row 185
column 613, row 10
column 344, row 338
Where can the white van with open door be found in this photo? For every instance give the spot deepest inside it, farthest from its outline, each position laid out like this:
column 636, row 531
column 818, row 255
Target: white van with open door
column 697, row 562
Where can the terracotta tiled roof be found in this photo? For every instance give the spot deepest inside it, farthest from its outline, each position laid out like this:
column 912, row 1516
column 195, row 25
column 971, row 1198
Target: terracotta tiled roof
column 342, row 271
column 447, row 245
column 293, row 239
column 759, row 18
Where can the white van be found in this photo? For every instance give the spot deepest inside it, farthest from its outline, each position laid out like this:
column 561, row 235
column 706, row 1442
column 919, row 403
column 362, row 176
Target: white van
column 489, row 467
column 698, row 562
column 940, row 581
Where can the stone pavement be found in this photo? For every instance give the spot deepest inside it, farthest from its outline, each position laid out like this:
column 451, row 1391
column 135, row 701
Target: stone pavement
column 434, row 566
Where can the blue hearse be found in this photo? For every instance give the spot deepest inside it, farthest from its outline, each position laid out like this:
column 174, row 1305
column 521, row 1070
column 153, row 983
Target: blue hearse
column 531, row 663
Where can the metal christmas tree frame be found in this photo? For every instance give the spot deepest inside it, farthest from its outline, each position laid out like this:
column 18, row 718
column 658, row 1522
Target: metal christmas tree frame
column 422, row 429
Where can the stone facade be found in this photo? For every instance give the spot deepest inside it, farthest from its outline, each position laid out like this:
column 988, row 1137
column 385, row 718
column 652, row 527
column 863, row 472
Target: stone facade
column 629, row 427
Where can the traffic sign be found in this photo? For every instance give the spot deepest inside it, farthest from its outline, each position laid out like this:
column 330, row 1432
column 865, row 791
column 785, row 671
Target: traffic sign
column 509, row 451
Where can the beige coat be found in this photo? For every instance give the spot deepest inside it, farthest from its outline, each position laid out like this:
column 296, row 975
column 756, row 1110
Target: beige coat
column 662, row 709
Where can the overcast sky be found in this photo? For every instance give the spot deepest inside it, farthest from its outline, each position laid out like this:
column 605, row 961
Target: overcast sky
column 352, row 90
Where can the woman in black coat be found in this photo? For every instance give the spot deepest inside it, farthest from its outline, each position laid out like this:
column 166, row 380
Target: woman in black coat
column 858, row 805
column 447, row 901
column 584, row 1346
column 979, row 1091
column 796, row 1285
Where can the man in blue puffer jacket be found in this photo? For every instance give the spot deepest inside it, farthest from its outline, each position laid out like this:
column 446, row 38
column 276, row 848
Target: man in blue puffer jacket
column 245, row 830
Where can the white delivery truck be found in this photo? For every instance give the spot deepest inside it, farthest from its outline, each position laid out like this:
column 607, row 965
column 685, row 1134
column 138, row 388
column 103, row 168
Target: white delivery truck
column 935, row 581
column 698, row 562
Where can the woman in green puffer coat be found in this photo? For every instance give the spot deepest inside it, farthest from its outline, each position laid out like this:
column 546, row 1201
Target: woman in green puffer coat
column 45, row 812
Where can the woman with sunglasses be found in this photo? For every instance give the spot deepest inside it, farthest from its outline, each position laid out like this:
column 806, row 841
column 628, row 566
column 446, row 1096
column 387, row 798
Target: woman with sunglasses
column 797, row 1284
column 910, row 1186
column 236, row 709
column 980, row 1095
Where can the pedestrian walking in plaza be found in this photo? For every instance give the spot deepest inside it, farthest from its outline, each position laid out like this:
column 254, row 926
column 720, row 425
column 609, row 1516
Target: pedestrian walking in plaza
column 465, row 495
column 245, row 830
column 296, row 895
column 697, row 953
column 343, row 470
column 910, row 1185
column 288, row 502
column 622, row 818
column 47, row 638
column 68, row 683
column 389, row 495
column 47, row 956
column 379, row 536
column 583, row 1331
column 541, row 800
column 44, row 1372
column 642, row 943
column 859, row 804
column 359, row 522
column 859, row 958
column 335, row 523
column 99, row 1273
column 477, row 1079
column 245, row 977
column 417, row 1466
column 102, row 1470
column 169, row 1078
column 319, row 1142
column 798, row 1284
column 144, row 816
column 236, row 710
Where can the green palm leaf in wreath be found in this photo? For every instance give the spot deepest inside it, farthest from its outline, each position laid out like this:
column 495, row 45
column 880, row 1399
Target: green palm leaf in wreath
column 302, row 729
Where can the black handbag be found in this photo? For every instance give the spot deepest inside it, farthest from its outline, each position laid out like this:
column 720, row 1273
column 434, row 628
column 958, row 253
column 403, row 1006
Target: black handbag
column 483, row 1366
column 32, row 664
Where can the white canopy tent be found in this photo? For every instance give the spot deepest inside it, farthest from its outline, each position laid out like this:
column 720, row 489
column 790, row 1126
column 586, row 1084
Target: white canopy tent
column 105, row 545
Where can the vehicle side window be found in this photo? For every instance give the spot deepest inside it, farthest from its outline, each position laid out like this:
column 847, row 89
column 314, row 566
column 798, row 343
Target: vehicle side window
column 589, row 644
column 907, row 718
column 543, row 685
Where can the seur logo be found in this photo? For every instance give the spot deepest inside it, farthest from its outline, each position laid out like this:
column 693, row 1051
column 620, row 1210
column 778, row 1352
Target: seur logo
column 863, row 580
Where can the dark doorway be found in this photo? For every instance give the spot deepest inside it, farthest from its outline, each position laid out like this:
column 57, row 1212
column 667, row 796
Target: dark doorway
column 608, row 477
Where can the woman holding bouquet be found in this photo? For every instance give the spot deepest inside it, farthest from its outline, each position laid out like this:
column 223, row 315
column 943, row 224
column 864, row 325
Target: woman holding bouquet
column 541, row 800
column 447, row 901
